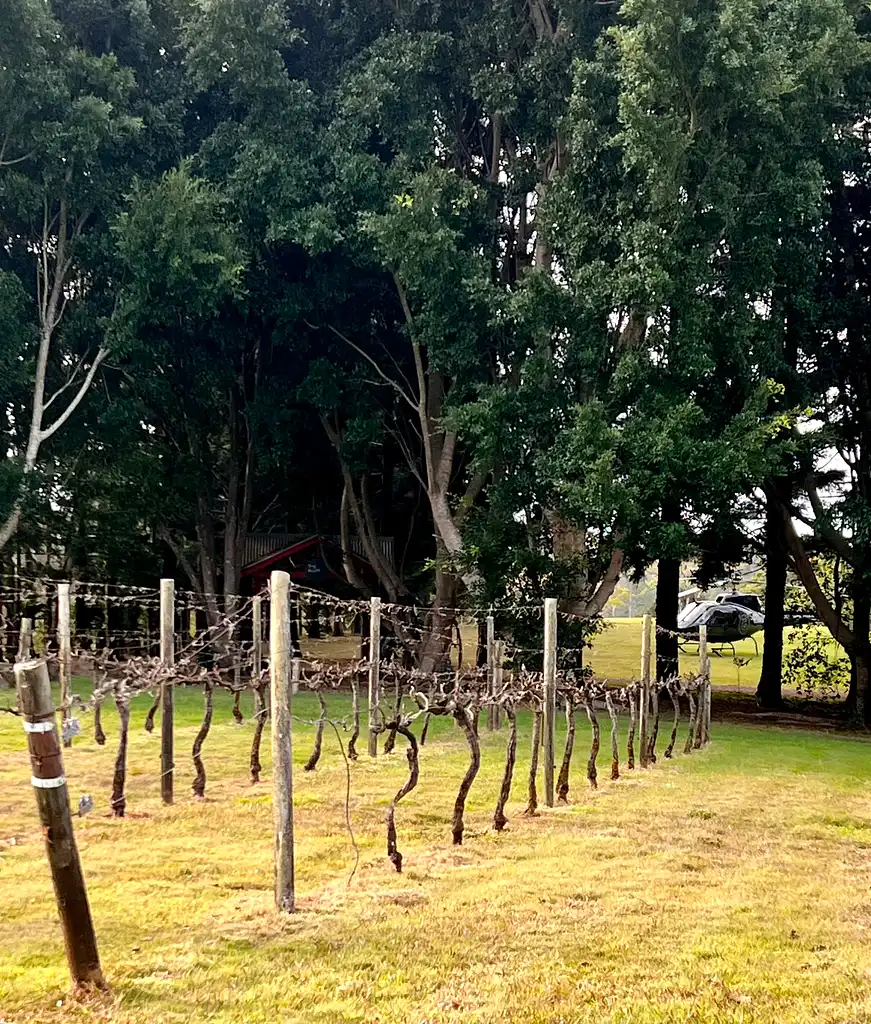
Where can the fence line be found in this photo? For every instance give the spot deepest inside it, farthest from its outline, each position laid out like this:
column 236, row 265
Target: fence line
column 410, row 680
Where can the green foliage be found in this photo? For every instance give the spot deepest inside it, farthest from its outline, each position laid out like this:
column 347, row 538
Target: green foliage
column 179, row 257
column 814, row 666
column 613, row 252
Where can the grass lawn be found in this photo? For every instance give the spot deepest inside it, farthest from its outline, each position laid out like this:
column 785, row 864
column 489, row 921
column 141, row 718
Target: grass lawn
column 729, row 886
column 615, row 654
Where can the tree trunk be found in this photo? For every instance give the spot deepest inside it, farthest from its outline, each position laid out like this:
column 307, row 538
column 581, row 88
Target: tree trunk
column 436, row 642
column 768, row 692
column 858, row 701
column 208, row 570
column 351, row 574
column 861, row 665
column 667, row 592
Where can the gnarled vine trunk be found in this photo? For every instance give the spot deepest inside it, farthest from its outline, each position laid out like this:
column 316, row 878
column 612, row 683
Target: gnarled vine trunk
column 562, row 788
column 594, row 746
column 355, row 712
column 199, row 784
column 393, row 853
column 691, row 735
column 532, row 802
column 260, row 714
column 119, row 779
column 630, row 742
column 463, row 719
column 615, row 752
column 499, row 819
column 312, row 762
column 676, row 704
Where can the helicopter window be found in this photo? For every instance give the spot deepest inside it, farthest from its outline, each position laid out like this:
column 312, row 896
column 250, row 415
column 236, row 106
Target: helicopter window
column 725, row 618
column 692, row 615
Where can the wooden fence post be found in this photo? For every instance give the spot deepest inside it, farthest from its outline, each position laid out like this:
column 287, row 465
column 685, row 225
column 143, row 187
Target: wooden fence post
column 256, row 637
column 710, row 693
column 167, row 657
column 64, row 656
column 644, row 694
column 25, row 638
column 492, row 722
column 705, row 671
column 549, row 687
column 52, row 799
column 498, row 674
column 282, row 744
column 374, row 672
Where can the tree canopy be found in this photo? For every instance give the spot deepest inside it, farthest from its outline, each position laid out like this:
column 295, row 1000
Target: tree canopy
column 548, row 292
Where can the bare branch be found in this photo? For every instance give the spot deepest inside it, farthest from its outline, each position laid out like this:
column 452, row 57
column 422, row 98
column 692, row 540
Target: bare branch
column 68, row 384
column 823, row 524
column 76, row 401
column 372, row 362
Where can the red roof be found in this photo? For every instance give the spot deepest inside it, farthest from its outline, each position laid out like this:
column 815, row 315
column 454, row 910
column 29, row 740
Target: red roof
column 290, row 552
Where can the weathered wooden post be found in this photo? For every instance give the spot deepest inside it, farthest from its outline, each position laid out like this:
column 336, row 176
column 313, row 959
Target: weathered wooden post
column 644, row 690
column 374, row 672
column 64, row 656
column 282, row 744
column 498, row 668
column 52, row 799
column 491, row 672
column 549, row 687
column 167, row 657
column 498, row 675
column 25, row 639
column 704, row 716
column 106, row 616
column 256, row 637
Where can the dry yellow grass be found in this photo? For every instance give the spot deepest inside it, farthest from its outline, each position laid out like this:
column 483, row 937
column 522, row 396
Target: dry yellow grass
column 730, row 886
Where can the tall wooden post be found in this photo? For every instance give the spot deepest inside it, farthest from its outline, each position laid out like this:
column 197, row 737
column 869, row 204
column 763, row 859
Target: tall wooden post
column 282, row 743
column 256, row 637
column 167, row 656
column 710, row 693
column 498, row 670
column 549, row 723
column 374, row 672
column 52, row 799
column 704, row 712
column 64, row 655
column 492, row 716
column 25, row 639
column 644, row 692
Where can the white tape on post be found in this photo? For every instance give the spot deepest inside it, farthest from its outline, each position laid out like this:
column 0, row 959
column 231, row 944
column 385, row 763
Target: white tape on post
column 48, row 783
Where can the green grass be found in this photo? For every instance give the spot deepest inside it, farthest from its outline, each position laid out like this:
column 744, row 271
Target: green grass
column 729, row 886
column 615, row 654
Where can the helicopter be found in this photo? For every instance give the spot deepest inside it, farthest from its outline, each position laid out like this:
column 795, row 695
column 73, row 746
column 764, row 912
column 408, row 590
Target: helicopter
column 730, row 618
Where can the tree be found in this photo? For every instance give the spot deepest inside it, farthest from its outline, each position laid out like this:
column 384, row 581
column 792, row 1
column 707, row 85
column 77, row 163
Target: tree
column 189, row 357
column 834, row 349
column 725, row 110
column 72, row 128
